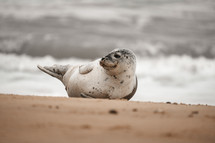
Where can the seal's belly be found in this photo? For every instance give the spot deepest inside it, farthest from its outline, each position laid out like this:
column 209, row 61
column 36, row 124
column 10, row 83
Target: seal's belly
column 89, row 84
column 96, row 84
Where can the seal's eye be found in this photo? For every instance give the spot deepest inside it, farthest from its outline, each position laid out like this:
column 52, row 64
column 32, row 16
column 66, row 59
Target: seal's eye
column 117, row 56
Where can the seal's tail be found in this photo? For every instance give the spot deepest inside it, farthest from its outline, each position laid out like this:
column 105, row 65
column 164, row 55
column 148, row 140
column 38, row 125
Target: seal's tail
column 57, row 71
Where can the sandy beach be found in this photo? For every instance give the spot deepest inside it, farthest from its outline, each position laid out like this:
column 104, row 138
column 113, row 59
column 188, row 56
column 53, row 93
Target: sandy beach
column 33, row 119
column 174, row 44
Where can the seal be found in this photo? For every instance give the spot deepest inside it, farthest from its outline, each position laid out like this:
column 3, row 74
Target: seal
column 112, row 76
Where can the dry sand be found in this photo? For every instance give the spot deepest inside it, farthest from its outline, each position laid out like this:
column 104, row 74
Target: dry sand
column 29, row 119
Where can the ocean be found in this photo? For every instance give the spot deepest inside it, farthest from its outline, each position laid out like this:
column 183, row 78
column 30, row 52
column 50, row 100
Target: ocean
column 174, row 42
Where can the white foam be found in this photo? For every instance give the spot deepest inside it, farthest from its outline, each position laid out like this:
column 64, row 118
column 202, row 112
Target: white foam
column 174, row 79
column 177, row 79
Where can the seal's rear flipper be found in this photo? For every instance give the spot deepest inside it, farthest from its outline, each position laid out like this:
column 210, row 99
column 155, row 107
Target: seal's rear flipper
column 57, row 71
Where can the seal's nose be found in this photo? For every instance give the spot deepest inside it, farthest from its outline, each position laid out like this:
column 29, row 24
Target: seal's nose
column 103, row 58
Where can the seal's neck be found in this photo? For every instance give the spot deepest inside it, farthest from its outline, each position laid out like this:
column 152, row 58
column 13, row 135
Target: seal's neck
column 124, row 74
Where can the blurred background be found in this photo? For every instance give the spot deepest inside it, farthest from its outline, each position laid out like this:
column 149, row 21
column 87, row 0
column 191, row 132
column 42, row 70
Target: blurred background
column 174, row 41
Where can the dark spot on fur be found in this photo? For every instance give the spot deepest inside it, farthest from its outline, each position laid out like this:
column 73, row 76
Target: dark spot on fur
column 126, row 57
column 106, row 79
column 89, row 91
column 115, row 77
column 124, row 70
column 93, row 87
column 121, row 82
column 97, row 82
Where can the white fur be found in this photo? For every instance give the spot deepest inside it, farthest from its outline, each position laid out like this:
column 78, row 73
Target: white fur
column 112, row 76
column 97, row 83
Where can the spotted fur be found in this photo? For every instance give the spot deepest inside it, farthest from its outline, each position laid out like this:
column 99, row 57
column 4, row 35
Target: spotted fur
column 112, row 76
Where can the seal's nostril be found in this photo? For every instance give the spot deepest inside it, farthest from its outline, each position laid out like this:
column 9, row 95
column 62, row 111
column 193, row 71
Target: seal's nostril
column 103, row 58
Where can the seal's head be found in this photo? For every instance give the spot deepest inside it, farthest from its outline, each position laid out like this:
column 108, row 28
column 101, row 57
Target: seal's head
column 118, row 61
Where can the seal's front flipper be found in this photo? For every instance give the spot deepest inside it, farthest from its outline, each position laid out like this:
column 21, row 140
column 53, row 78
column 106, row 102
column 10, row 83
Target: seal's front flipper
column 85, row 96
column 57, row 71
column 84, row 69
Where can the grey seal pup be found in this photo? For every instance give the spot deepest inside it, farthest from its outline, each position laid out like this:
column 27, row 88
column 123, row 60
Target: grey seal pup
column 113, row 76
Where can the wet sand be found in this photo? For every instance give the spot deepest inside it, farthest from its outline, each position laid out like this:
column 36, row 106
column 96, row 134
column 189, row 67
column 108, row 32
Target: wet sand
column 29, row 119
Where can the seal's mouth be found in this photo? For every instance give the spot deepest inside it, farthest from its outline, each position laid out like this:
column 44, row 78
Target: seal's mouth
column 108, row 64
